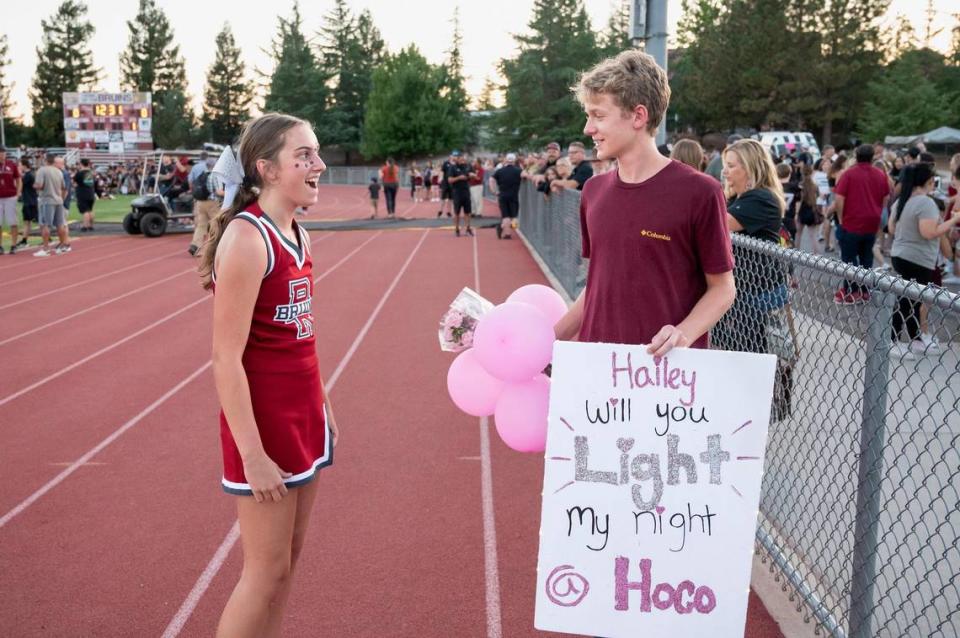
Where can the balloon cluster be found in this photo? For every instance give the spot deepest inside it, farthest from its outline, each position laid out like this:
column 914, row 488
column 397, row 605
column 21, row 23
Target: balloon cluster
column 502, row 374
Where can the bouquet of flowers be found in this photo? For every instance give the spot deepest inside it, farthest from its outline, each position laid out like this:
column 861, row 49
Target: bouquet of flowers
column 459, row 322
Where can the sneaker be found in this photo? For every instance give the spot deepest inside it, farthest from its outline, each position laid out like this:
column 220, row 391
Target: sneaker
column 469, row 231
column 42, row 253
column 860, row 297
column 903, row 351
column 499, row 232
column 22, row 243
column 842, row 298
column 930, row 343
column 13, row 249
column 63, row 248
column 457, row 231
column 1, row 250
column 439, row 213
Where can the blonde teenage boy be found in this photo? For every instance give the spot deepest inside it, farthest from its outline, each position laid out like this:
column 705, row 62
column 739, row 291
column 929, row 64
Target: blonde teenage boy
column 661, row 266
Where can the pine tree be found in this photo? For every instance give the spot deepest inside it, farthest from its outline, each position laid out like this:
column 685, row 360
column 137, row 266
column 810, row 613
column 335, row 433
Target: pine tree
column 701, row 95
column 916, row 92
column 539, row 106
column 406, row 116
column 228, row 94
column 297, row 85
column 850, row 58
column 616, row 37
column 352, row 48
column 64, row 64
column 6, row 103
column 955, row 43
column 153, row 63
column 485, row 101
column 452, row 88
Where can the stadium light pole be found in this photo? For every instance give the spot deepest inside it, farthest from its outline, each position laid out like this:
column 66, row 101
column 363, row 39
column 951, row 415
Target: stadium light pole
column 648, row 26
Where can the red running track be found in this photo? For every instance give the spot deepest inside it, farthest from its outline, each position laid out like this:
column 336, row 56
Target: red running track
column 112, row 521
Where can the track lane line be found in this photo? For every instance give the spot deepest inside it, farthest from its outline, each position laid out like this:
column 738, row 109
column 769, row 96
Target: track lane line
column 78, row 263
column 24, row 262
column 223, row 551
column 73, row 467
column 87, row 281
column 115, row 344
column 94, row 307
column 30, row 500
column 491, row 564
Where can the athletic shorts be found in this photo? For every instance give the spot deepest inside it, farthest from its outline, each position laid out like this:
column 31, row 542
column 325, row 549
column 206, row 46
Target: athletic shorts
column 445, row 191
column 30, row 213
column 51, row 215
column 8, row 211
column 509, row 208
column 461, row 202
column 85, row 205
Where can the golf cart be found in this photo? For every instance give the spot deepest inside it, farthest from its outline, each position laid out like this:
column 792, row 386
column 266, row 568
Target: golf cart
column 151, row 211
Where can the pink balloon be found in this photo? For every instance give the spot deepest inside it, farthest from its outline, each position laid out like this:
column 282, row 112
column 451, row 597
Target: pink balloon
column 514, row 341
column 521, row 414
column 543, row 298
column 471, row 387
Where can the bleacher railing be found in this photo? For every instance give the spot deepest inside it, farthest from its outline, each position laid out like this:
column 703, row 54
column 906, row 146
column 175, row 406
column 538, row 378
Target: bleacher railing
column 860, row 506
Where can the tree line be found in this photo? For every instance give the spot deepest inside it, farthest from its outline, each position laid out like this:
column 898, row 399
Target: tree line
column 821, row 65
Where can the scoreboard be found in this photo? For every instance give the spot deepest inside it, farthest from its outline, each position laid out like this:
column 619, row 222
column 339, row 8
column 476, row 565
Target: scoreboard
column 114, row 122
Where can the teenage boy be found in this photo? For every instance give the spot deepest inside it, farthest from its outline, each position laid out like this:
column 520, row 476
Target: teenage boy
column 661, row 265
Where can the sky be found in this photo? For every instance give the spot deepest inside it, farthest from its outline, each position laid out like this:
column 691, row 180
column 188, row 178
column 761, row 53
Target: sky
column 488, row 29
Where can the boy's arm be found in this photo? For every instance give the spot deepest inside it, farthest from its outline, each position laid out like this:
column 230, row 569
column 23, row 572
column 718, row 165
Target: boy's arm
column 718, row 298
column 569, row 325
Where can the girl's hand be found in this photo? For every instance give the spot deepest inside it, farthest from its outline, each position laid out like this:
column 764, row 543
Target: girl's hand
column 332, row 424
column 265, row 478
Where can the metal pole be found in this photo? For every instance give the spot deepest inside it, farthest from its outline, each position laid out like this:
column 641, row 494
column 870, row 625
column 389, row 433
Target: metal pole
column 657, row 46
column 876, row 378
column 3, row 134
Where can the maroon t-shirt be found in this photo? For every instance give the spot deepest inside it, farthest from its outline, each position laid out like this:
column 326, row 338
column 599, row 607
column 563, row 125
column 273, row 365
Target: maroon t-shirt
column 9, row 174
column 863, row 188
column 649, row 246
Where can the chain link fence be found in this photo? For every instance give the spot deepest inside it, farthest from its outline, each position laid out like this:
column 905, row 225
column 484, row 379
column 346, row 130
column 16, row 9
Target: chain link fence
column 860, row 506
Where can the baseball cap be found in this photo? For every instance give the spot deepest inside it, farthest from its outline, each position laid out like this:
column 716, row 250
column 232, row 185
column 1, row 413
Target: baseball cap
column 511, row 157
column 553, row 145
column 455, row 153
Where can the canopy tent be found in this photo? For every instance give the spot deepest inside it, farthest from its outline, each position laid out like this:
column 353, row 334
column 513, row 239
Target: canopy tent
column 942, row 135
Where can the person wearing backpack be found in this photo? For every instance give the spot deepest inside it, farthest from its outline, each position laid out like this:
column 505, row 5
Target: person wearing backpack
column 207, row 194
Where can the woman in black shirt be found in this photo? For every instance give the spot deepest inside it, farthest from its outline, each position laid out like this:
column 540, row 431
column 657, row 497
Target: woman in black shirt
column 758, row 320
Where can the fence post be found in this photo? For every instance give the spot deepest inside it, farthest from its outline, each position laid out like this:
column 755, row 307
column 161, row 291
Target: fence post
column 876, row 377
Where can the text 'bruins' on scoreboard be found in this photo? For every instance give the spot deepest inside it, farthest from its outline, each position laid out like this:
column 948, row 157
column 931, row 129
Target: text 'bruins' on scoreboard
column 114, row 122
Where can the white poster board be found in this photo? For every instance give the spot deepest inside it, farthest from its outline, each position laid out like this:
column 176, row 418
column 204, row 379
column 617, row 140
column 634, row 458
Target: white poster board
column 116, row 147
column 651, row 489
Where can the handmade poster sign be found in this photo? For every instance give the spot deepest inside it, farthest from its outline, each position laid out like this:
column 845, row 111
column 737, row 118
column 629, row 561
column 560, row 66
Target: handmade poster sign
column 651, row 489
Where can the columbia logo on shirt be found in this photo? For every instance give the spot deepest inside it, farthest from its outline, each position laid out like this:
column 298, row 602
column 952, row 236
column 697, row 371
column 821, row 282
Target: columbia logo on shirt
column 653, row 235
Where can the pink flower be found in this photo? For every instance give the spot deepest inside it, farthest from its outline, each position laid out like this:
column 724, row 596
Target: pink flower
column 467, row 340
column 453, row 319
column 448, row 334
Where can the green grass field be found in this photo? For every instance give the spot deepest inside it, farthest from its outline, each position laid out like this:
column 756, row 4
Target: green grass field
column 105, row 210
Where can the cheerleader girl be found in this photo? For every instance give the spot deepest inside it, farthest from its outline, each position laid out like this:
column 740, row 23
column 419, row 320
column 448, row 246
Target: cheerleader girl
column 277, row 427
